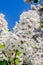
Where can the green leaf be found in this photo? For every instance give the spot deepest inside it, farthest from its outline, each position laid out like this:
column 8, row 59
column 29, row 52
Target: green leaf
column 41, row 24
column 3, row 62
column 0, row 62
column 1, row 31
column 16, row 60
column 2, row 46
column 33, row 46
column 18, row 53
column 8, row 30
column 12, row 61
column 38, row 1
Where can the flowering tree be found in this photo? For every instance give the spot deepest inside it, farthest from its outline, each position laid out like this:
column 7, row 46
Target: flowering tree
column 29, row 32
column 23, row 45
column 4, row 35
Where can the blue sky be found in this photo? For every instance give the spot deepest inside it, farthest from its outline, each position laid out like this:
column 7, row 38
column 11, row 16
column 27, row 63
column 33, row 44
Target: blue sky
column 12, row 9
